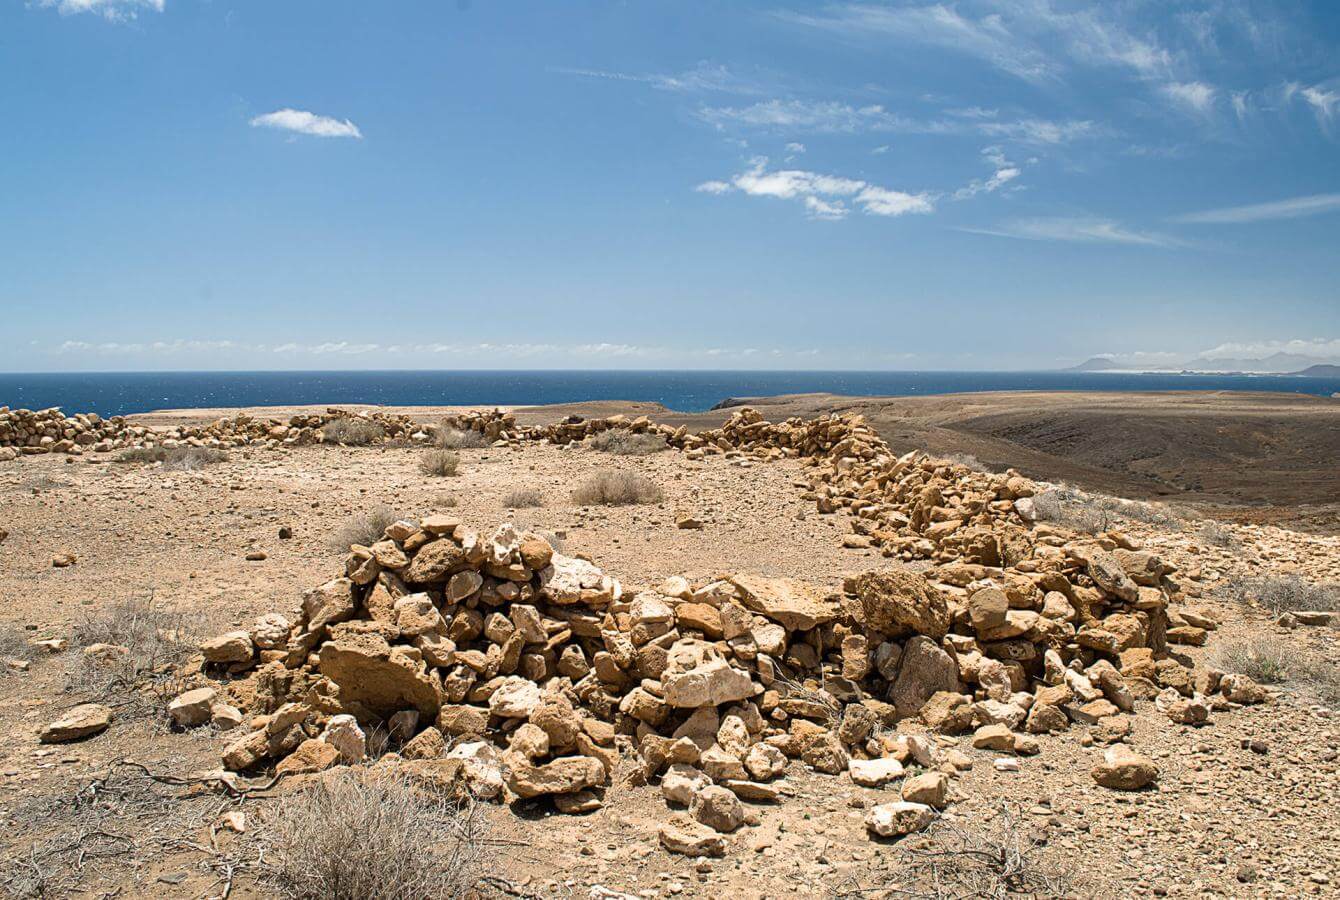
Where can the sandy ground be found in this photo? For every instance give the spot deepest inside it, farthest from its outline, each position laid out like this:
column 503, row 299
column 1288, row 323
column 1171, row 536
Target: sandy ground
column 1225, row 821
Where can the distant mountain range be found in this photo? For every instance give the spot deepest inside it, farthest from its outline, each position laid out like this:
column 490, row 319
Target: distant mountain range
column 1275, row 364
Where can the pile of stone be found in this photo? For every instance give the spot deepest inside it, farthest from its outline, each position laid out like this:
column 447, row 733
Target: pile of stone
column 498, row 665
column 26, row 432
column 50, row 431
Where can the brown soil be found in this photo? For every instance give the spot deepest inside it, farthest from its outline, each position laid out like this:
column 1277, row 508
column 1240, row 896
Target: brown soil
column 1224, row 820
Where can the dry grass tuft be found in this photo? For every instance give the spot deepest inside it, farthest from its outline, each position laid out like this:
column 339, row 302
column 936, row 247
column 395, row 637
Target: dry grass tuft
column 1264, row 659
column 1289, row 593
column 39, row 483
column 13, row 645
column 614, row 487
column 143, row 642
column 994, row 859
column 365, row 528
column 451, row 438
column 1093, row 513
column 523, row 498
column 1212, row 534
column 1271, row 660
column 358, row 836
column 174, row 459
column 439, row 463
column 352, row 432
column 627, row 443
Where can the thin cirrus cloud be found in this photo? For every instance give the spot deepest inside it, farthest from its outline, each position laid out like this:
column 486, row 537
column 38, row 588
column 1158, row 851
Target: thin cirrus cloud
column 1077, row 230
column 703, row 78
column 1033, row 41
column 1293, row 208
column 832, row 117
column 300, row 121
column 111, row 10
column 1190, row 96
column 826, row 197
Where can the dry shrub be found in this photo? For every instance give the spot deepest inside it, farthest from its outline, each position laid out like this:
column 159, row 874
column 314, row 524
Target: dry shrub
column 1264, row 659
column 439, row 463
column 614, row 487
column 176, row 459
column 1271, row 660
column 39, row 483
column 353, row 835
column 451, row 438
column 147, row 641
column 352, row 432
column 1288, row 593
column 1212, row 534
column 13, row 646
column 365, row 528
column 1094, row 514
column 523, row 498
column 995, row 859
column 627, row 443
column 447, row 501
column 1317, row 677
column 968, row 460
column 81, row 836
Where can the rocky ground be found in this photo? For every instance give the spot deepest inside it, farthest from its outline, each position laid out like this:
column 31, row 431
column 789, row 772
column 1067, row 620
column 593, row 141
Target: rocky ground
column 1243, row 806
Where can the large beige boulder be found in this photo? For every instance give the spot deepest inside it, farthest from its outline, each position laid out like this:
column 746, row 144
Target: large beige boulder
column 795, row 605
column 925, row 670
column 681, row 834
column 697, row 675
column 896, row 819
column 376, row 680
column 82, row 721
column 564, row 775
column 1107, row 572
column 227, row 648
column 435, row 562
column 717, row 807
column 329, row 604
column 192, row 707
column 896, row 601
column 1122, row 769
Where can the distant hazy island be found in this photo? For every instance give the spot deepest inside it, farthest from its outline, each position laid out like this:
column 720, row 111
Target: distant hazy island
column 1275, row 364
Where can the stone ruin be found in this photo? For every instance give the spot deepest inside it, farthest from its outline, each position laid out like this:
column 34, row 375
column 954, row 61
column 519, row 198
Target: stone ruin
column 490, row 663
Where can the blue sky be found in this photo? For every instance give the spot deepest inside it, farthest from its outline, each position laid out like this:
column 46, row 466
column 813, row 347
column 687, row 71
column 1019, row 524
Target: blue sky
column 979, row 184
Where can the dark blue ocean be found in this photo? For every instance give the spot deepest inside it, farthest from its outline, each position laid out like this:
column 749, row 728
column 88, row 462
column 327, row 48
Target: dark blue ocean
column 121, row 393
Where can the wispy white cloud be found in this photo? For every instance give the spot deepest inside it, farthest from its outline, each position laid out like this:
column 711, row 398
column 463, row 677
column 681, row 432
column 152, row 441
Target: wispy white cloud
column 1030, row 39
column 704, row 77
column 1043, row 131
column 111, row 10
column 1293, row 208
column 1190, row 96
column 1005, row 172
column 824, row 196
column 807, row 115
column 1316, row 348
column 936, row 25
column 1323, row 98
column 303, row 122
column 844, row 118
column 488, row 351
column 1080, row 230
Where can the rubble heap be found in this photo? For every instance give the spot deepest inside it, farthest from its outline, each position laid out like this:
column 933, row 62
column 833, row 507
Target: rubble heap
column 51, row 431
column 498, row 665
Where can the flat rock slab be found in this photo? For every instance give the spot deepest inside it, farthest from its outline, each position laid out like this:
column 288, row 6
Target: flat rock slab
column 793, row 604
column 81, row 722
